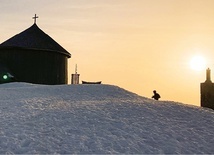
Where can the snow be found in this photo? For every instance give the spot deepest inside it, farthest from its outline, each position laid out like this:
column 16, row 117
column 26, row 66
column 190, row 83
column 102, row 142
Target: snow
column 98, row 119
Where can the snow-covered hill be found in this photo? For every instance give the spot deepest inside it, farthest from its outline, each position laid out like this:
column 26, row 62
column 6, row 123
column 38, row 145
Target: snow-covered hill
column 99, row 119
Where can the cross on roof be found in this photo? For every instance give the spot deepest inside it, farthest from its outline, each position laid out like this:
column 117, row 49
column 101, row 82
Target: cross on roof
column 35, row 18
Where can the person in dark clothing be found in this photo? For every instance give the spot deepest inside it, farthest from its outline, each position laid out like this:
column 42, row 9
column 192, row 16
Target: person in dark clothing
column 156, row 96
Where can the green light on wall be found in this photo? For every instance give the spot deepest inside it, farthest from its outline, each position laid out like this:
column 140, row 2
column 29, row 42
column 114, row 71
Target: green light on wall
column 5, row 77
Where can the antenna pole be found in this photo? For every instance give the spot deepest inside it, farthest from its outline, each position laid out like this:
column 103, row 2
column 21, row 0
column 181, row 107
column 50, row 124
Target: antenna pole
column 76, row 69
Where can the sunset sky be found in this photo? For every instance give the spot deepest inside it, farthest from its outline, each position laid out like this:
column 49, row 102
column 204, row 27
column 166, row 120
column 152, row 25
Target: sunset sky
column 139, row 45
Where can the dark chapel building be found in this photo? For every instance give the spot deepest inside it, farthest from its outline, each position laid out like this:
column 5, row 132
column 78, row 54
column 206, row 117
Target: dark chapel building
column 33, row 56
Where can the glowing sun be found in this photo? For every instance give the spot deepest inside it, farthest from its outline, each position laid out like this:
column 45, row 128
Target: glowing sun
column 198, row 63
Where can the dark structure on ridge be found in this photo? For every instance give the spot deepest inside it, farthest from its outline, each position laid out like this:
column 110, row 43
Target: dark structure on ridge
column 33, row 56
column 207, row 92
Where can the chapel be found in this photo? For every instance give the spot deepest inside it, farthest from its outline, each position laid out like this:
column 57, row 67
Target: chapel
column 33, row 56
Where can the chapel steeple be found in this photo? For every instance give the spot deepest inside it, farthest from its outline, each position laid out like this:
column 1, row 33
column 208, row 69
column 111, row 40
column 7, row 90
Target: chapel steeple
column 35, row 17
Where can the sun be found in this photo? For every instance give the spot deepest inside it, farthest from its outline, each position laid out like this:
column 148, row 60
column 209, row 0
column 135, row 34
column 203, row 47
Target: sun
column 198, row 63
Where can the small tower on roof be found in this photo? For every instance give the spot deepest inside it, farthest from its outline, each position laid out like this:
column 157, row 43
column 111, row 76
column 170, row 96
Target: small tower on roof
column 33, row 56
column 207, row 91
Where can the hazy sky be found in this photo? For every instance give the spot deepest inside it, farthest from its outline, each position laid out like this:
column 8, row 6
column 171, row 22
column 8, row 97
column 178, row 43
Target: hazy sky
column 139, row 45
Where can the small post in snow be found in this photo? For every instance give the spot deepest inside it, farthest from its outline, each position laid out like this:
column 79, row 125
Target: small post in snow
column 75, row 77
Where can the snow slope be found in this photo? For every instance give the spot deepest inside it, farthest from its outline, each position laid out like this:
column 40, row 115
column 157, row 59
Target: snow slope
column 98, row 119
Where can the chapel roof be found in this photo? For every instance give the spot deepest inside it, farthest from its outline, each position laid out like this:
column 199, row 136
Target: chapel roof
column 34, row 38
